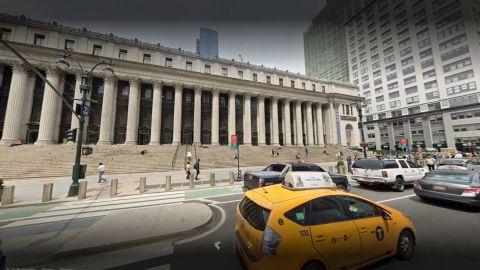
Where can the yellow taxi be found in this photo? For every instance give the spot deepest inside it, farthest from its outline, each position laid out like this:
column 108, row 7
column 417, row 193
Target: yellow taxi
column 301, row 224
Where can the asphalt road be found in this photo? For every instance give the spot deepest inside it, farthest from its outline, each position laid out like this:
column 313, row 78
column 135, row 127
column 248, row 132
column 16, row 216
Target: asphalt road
column 448, row 235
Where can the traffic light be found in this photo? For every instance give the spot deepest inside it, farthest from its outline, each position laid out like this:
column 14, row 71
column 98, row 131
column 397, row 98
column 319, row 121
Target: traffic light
column 71, row 135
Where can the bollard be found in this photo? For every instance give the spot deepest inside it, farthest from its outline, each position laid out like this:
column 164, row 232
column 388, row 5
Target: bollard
column 232, row 180
column 212, row 179
column 113, row 187
column 190, row 181
column 143, row 184
column 168, row 183
column 82, row 190
column 47, row 192
column 8, row 195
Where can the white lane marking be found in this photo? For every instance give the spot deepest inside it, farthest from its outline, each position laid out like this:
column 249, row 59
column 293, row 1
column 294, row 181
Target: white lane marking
column 225, row 202
column 217, row 245
column 207, row 201
column 214, row 229
column 399, row 198
column 161, row 267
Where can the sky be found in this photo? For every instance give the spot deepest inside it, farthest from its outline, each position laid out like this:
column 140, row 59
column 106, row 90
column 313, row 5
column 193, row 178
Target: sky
column 264, row 32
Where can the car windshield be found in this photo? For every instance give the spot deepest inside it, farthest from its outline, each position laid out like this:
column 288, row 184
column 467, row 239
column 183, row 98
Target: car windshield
column 306, row 168
column 459, row 162
column 449, row 176
column 368, row 164
column 275, row 168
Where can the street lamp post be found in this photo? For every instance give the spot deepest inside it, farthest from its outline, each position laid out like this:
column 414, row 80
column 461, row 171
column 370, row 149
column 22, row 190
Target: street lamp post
column 363, row 144
column 84, row 89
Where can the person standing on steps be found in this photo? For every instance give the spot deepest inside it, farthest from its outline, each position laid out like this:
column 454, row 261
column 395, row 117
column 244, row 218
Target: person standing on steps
column 187, row 170
column 101, row 172
column 196, row 166
column 306, row 151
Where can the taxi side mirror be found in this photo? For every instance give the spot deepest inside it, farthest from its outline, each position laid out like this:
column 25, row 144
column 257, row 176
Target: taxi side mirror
column 386, row 215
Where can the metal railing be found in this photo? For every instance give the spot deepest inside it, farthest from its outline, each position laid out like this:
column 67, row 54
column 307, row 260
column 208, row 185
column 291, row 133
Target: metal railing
column 174, row 160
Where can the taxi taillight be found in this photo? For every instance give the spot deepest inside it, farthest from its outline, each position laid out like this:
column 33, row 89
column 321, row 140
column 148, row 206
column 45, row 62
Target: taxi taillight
column 271, row 241
column 417, row 184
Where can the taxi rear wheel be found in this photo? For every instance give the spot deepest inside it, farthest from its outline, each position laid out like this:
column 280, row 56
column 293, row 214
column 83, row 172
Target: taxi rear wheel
column 313, row 266
column 405, row 246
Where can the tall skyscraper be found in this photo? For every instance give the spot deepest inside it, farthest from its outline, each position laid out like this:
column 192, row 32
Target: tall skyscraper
column 417, row 63
column 207, row 44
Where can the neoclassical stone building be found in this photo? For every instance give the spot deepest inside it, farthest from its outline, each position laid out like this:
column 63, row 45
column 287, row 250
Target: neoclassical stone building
column 161, row 95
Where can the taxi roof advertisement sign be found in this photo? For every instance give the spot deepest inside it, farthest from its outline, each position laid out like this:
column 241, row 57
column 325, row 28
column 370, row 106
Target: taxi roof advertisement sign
column 308, row 180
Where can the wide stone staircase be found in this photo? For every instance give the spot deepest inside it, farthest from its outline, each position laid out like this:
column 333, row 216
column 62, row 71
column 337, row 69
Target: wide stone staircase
column 33, row 161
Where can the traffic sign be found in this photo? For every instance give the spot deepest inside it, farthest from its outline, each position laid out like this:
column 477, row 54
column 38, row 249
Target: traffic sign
column 85, row 110
column 234, row 142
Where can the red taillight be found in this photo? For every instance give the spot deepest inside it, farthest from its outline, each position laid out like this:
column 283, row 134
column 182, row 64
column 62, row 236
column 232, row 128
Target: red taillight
column 417, row 184
column 384, row 174
column 471, row 192
column 261, row 182
column 271, row 241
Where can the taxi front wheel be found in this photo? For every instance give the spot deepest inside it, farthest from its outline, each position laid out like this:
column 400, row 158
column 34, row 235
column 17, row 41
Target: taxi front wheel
column 405, row 246
column 313, row 266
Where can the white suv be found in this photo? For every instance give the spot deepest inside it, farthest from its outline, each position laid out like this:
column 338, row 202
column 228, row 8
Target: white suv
column 395, row 173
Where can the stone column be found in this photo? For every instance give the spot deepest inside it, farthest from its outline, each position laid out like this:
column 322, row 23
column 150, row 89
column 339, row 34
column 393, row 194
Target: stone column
column 298, row 120
column 261, row 120
column 28, row 104
column 231, row 115
column 133, row 112
column 391, row 135
column 320, row 140
column 247, row 120
column 2, row 70
column 13, row 115
column 274, row 117
column 286, row 119
column 427, row 131
column 177, row 114
column 107, row 118
column 332, row 127
column 197, row 115
column 59, row 107
column 156, row 113
column 310, row 141
column 49, row 107
column 215, row 116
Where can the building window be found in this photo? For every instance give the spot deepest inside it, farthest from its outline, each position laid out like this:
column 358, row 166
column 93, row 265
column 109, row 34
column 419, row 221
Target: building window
column 432, row 95
column 69, row 44
column 168, row 62
column 303, row 85
column 189, row 66
column 461, row 88
column 292, row 83
column 207, row 69
column 323, row 88
column 429, row 74
column 395, row 104
column 224, row 71
column 97, row 49
column 122, row 54
column 280, row 81
column 412, row 100
column 459, row 77
column 240, row 74
column 147, row 58
column 314, row 87
column 254, row 77
column 5, row 33
column 269, row 79
column 454, row 53
column 410, row 80
column 39, row 40
column 457, row 65
column 411, row 90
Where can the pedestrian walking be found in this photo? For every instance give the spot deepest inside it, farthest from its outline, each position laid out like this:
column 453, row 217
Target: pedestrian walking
column 101, row 172
column 187, row 170
column 273, row 152
column 278, row 153
column 306, row 151
column 196, row 166
column 189, row 156
column 431, row 164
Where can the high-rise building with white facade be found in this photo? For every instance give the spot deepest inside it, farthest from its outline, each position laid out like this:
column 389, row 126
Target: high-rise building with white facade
column 161, row 95
column 417, row 63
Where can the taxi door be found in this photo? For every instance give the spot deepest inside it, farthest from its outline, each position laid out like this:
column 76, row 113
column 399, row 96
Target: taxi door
column 375, row 232
column 335, row 238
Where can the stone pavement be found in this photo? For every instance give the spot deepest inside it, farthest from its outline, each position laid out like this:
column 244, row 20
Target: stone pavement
column 60, row 239
column 29, row 191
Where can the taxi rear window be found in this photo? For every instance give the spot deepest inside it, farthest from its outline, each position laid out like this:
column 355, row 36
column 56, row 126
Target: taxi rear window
column 254, row 214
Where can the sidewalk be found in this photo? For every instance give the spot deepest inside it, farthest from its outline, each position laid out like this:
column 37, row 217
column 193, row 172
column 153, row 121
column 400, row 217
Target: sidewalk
column 29, row 191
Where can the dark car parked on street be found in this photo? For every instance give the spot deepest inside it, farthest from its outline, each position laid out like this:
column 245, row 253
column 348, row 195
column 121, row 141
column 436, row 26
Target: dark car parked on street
column 461, row 186
column 275, row 174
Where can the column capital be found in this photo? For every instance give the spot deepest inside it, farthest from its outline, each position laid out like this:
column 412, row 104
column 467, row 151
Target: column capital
column 157, row 83
column 178, row 86
column 261, row 97
column 233, row 93
column 109, row 79
column 274, row 99
column 215, row 91
column 52, row 71
column 247, row 95
column 18, row 67
column 198, row 88
column 134, row 81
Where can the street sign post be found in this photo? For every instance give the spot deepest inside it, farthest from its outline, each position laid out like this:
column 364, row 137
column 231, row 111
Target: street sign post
column 234, row 145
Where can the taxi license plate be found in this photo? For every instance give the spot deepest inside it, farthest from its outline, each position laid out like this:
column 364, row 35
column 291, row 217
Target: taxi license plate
column 441, row 188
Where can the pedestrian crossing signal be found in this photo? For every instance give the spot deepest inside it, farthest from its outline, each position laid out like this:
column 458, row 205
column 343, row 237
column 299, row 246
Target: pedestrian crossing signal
column 71, row 135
